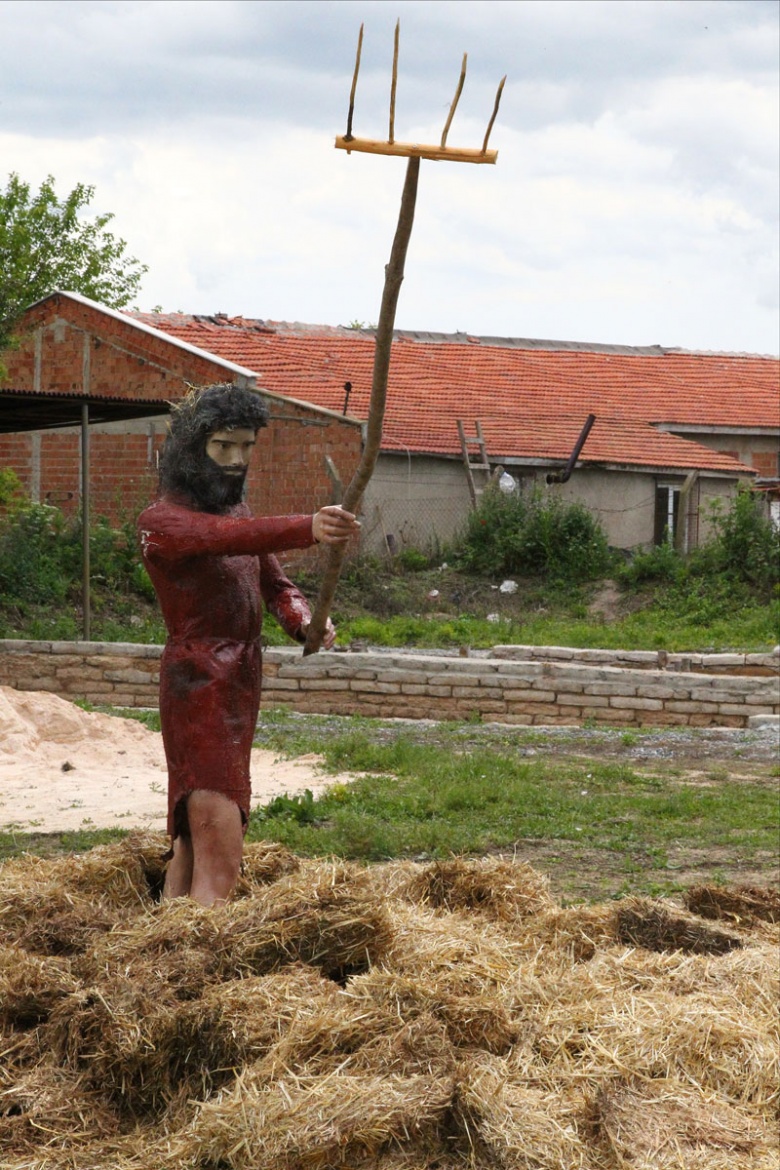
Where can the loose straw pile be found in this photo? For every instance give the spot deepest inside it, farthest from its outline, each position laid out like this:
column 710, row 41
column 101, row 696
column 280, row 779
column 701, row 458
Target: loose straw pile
column 400, row 1017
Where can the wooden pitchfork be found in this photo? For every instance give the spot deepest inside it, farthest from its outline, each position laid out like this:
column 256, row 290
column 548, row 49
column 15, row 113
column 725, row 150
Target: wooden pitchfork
column 394, row 274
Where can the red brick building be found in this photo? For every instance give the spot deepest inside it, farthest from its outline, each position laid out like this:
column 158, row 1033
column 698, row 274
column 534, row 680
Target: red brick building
column 73, row 353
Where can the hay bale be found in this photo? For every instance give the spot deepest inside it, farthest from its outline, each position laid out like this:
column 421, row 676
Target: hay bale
column 590, row 1025
column 502, row 890
column 19, row 1052
column 48, row 919
column 56, row 906
column 750, row 975
column 31, row 986
column 332, row 925
column 323, row 915
column 472, row 1019
column 333, row 1016
column 420, row 1046
column 50, row 1109
column 667, row 1125
column 641, row 922
column 431, row 945
column 329, row 1037
column 260, row 1010
column 123, row 1039
column 317, row 1122
column 175, row 944
column 573, row 934
column 740, row 905
column 437, row 1156
column 264, row 862
column 514, row 1126
column 144, row 1049
column 120, row 875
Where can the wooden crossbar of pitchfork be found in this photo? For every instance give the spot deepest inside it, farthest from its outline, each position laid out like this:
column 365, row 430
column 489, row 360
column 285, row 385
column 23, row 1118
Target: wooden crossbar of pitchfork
column 394, row 274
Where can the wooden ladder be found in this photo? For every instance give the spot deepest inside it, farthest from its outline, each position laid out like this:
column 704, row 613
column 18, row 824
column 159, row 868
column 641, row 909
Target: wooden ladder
column 467, row 442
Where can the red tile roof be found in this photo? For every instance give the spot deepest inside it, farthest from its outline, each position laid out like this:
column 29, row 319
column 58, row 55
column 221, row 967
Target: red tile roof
column 531, row 398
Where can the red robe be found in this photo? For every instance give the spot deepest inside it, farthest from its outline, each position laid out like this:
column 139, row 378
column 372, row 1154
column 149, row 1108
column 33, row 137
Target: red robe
column 210, row 573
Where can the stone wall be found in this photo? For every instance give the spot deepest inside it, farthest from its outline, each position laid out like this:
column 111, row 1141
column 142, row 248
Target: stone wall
column 414, row 686
column 745, row 664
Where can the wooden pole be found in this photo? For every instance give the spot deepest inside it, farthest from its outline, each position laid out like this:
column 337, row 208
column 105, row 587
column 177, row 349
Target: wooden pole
column 86, row 603
column 394, row 274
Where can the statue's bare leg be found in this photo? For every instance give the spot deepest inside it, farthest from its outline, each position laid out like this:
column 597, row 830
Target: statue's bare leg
column 217, row 836
column 178, row 875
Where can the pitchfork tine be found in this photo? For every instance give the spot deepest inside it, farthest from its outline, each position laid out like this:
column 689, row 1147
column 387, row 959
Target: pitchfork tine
column 455, row 101
column 394, row 82
column 499, row 91
column 348, row 135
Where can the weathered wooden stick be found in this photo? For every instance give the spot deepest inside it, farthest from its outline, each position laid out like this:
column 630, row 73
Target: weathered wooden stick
column 394, row 274
column 416, row 150
column 496, row 104
column 352, row 92
column 455, row 101
column 394, row 83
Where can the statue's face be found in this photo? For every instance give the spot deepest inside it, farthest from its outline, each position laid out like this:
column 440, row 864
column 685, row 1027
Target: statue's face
column 232, row 450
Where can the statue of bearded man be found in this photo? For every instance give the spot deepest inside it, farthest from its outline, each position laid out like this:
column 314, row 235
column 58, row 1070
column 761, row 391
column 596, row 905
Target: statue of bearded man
column 213, row 566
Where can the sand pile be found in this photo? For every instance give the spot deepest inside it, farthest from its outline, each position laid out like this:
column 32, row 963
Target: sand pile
column 399, row 1017
column 63, row 768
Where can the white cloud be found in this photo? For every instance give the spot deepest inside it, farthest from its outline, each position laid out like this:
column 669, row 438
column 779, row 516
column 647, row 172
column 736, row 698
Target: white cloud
column 634, row 199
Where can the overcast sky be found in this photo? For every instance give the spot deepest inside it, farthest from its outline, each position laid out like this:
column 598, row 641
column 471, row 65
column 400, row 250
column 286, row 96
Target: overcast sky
column 635, row 198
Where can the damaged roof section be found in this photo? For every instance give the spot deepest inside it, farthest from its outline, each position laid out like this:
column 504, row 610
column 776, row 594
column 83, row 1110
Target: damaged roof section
column 530, row 396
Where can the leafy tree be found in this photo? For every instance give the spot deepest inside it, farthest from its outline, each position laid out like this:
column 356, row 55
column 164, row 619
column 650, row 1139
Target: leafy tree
column 45, row 244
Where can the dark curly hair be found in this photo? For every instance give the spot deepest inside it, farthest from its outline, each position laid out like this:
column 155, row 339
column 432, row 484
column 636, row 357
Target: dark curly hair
column 185, row 468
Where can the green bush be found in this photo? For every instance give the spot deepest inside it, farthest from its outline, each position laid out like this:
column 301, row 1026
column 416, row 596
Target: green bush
column 41, row 553
column 11, row 490
column 742, row 557
column 32, row 543
column 662, row 563
column 413, row 560
column 534, row 533
column 746, row 545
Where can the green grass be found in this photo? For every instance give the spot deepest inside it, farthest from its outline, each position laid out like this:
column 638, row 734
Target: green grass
column 425, row 800
column 12, row 843
column 599, row 822
column 601, row 827
column 754, row 629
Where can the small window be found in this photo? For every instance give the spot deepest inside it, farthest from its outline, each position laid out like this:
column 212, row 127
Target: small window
column 667, row 513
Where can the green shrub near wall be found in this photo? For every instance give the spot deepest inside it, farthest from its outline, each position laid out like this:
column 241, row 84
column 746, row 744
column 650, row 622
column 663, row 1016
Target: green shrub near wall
column 532, row 533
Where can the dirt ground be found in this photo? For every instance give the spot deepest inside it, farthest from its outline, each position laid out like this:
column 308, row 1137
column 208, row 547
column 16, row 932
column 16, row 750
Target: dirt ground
column 65, row 769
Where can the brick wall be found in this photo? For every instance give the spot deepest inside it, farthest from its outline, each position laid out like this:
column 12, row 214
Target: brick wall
column 415, row 686
column 66, row 345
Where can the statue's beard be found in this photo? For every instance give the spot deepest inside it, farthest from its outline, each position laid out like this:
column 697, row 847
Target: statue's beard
column 213, row 489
